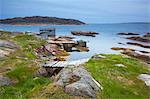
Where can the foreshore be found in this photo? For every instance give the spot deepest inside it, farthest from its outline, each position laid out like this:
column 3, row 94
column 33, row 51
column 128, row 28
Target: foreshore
column 21, row 72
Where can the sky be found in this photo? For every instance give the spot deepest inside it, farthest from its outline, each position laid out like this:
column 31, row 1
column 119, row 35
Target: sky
column 89, row 11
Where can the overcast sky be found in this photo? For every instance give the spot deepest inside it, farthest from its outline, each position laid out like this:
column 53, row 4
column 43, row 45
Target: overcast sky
column 89, row 11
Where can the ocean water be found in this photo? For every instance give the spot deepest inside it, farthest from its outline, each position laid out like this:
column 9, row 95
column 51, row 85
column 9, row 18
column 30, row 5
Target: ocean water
column 101, row 44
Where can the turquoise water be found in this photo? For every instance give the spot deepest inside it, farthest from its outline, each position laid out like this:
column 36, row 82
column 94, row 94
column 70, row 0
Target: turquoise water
column 100, row 44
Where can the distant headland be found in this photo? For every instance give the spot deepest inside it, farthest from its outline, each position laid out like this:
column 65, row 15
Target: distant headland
column 40, row 20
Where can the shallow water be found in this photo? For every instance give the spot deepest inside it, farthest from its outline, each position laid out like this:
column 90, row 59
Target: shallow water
column 102, row 43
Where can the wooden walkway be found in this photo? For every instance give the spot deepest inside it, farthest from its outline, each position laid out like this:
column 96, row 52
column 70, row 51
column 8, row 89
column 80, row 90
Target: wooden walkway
column 62, row 64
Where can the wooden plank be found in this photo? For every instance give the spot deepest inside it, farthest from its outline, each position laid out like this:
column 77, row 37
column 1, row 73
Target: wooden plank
column 65, row 63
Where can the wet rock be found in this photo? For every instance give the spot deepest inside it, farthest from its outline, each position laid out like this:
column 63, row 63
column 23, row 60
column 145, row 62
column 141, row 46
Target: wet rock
column 128, row 34
column 146, row 52
column 134, row 53
column 77, row 81
column 147, row 35
column 123, row 49
column 138, row 44
column 145, row 78
column 66, row 37
column 138, row 38
column 4, row 81
column 121, row 43
column 84, row 33
column 137, row 55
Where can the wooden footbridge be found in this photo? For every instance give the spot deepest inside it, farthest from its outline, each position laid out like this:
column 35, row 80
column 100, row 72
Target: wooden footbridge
column 63, row 64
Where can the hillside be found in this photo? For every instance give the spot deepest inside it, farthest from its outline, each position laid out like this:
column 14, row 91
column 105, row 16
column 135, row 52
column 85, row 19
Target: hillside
column 33, row 20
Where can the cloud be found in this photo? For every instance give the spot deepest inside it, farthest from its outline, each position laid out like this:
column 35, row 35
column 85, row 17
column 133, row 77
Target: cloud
column 92, row 10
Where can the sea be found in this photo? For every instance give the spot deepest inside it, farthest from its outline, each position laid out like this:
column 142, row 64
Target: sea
column 101, row 44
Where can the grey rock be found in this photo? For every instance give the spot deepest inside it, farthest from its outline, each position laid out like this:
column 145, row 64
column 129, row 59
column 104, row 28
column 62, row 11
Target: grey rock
column 4, row 43
column 98, row 57
column 4, row 81
column 42, row 72
column 77, row 81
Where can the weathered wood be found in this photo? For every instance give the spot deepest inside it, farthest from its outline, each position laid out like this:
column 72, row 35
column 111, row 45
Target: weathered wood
column 62, row 64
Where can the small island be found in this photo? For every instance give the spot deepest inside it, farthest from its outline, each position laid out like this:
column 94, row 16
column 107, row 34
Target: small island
column 40, row 20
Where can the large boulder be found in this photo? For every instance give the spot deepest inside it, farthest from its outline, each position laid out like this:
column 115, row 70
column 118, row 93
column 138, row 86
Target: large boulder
column 77, row 81
column 4, row 81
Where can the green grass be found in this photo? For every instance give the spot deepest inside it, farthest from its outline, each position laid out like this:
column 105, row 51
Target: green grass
column 119, row 82
column 21, row 66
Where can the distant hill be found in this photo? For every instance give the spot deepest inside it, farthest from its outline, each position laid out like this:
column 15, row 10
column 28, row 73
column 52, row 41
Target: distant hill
column 33, row 20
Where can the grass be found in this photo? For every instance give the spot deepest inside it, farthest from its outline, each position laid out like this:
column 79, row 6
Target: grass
column 119, row 82
column 21, row 66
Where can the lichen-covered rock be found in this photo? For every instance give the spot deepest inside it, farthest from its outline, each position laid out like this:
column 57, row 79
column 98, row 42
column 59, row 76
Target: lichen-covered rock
column 4, row 81
column 77, row 81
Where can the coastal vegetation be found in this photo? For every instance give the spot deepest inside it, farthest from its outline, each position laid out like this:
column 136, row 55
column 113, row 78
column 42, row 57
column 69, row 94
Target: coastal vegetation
column 117, row 74
column 20, row 66
column 119, row 82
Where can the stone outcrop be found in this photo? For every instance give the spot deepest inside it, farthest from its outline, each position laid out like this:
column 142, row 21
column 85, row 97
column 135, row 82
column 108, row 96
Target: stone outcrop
column 138, row 38
column 128, row 34
column 84, row 33
column 138, row 44
column 142, row 55
column 77, row 81
column 147, row 35
column 4, row 81
column 7, row 47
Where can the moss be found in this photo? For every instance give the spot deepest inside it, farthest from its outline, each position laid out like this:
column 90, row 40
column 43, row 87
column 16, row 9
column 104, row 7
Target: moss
column 119, row 82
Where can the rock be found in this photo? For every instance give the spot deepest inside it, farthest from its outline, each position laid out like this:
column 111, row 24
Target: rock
column 137, row 55
column 98, row 57
column 42, row 72
column 139, row 38
column 4, row 81
column 128, row 34
column 120, row 65
column 138, row 44
column 145, row 78
column 123, row 49
column 4, row 43
column 147, row 35
column 84, row 33
column 77, row 81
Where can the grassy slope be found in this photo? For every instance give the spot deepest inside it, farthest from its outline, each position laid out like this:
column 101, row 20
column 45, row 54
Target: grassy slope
column 21, row 66
column 119, row 82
